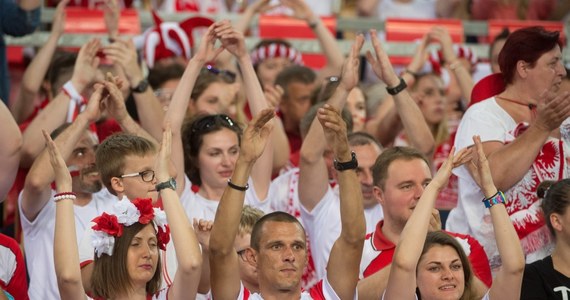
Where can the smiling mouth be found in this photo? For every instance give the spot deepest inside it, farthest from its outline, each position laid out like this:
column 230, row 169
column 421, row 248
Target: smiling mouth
column 447, row 287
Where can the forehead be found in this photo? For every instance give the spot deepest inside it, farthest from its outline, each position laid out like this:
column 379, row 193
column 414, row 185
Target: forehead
column 440, row 254
column 87, row 140
column 552, row 54
column 146, row 233
column 430, row 81
column 276, row 61
column 366, row 154
column 223, row 138
column 284, row 232
column 401, row 170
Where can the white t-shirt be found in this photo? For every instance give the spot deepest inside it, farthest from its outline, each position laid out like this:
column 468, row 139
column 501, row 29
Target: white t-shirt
column 493, row 123
column 195, row 206
column 39, row 236
column 323, row 225
column 324, row 290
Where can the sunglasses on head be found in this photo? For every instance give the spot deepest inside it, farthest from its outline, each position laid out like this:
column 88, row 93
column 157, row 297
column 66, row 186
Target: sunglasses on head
column 228, row 76
column 208, row 121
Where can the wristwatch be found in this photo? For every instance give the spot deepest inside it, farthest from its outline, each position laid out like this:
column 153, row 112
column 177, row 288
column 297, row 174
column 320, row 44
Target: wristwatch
column 349, row 165
column 397, row 89
column 170, row 184
column 141, row 87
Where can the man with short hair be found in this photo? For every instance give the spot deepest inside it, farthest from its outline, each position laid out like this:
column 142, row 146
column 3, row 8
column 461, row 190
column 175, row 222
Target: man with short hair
column 298, row 83
column 278, row 241
column 400, row 176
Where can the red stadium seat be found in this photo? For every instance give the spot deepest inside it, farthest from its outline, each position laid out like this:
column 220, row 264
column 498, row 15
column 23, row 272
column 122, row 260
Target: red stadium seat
column 409, row 30
column 284, row 27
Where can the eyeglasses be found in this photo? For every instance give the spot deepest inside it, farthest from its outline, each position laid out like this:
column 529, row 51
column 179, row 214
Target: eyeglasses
column 209, row 120
column 229, row 76
column 146, row 176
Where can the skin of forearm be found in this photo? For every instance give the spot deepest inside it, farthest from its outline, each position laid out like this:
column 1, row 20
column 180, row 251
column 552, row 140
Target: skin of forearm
column 512, row 161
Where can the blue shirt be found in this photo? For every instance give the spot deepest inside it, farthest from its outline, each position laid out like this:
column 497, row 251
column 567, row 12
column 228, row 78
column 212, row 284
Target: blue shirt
column 14, row 21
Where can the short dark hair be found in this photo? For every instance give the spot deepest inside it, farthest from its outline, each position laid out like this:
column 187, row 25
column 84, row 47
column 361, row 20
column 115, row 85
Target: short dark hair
column 388, row 156
column 526, row 44
column 111, row 153
column 503, row 35
column 555, row 199
column 193, row 132
column 160, row 74
column 61, row 63
column 361, row 138
column 295, row 73
column 277, row 216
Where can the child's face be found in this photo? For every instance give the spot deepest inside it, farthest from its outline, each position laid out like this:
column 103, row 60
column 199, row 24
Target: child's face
column 141, row 186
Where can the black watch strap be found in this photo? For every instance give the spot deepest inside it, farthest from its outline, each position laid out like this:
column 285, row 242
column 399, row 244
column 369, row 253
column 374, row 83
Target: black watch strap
column 141, row 87
column 349, row 165
column 397, row 89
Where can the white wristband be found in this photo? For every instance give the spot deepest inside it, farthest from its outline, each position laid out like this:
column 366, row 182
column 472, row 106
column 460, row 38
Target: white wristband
column 70, row 90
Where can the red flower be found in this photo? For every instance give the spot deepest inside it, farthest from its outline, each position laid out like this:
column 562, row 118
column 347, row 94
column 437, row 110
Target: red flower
column 163, row 237
column 145, row 208
column 108, row 224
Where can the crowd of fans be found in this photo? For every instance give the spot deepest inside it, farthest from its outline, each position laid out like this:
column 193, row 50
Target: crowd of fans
column 161, row 168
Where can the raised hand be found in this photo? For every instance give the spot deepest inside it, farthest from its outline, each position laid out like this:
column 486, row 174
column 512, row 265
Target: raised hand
column 381, row 63
column 420, row 56
column 203, row 228
column 300, row 9
column 552, row 109
column 207, row 51
column 335, row 131
column 62, row 176
column 444, row 38
column 124, row 54
column 453, row 161
column 480, row 170
column 260, row 6
column 255, row 135
column 162, row 163
column 350, row 69
column 94, row 106
column 232, row 40
column 58, row 24
column 85, row 69
column 273, row 95
column 111, row 14
column 114, row 102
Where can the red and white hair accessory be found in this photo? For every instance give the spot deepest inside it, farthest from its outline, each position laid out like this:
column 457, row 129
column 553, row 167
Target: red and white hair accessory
column 276, row 50
column 436, row 57
column 109, row 226
column 171, row 39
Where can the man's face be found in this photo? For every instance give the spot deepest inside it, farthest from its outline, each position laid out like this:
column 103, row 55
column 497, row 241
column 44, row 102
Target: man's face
column 135, row 187
column 81, row 163
column 282, row 256
column 403, row 187
column 366, row 155
column 297, row 101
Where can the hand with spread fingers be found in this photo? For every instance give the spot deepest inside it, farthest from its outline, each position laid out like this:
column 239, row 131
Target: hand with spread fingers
column 552, row 109
column 114, row 103
column 479, row 168
column 334, row 128
column 420, row 55
column 380, row 62
column 255, row 136
column 124, row 54
column 58, row 23
column 441, row 34
column 300, row 9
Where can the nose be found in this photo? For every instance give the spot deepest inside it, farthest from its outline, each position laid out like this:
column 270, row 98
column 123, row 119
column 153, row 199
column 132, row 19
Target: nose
column 288, row 255
column 447, row 274
column 562, row 68
column 366, row 177
column 418, row 192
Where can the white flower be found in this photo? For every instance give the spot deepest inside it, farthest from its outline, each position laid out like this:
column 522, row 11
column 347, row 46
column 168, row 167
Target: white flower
column 103, row 243
column 465, row 245
column 159, row 217
column 126, row 212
